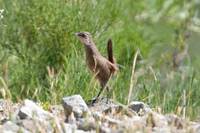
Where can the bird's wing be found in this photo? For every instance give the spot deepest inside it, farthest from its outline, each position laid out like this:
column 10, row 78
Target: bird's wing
column 112, row 67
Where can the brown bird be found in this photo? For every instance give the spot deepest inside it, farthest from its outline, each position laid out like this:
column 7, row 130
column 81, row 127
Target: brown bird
column 101, row 67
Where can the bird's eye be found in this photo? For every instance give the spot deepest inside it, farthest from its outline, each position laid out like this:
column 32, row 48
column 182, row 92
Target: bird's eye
column 82, row 35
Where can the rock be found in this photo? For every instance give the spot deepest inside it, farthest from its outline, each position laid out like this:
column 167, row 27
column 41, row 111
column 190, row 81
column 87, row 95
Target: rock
column 156, row 120
column 102, row 105
column 87, row 124
column 29, row 125
column 41, row 126
column 1, row 105
column 139, row 107
column 135, row 123
column 75, row 104
column 32, row 110
column 107, row 124
column 10, row 127
column 90, row 125
column 71, row 119
column 161, row 130
column 119, row 110
column 104, row 129
column 81, row 131
column 56, row 110
column 105, row 116
column 194, row 128
column 175, row 121
column 5, row 110
column 68, row 128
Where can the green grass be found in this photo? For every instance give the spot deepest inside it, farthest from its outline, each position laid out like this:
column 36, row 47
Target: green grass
column 41, row 58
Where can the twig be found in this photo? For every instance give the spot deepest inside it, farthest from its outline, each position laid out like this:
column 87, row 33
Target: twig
column 184, row 104
column 132, row 76
column 153, row 72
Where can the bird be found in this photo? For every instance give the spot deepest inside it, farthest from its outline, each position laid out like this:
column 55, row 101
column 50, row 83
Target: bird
column 101, row 67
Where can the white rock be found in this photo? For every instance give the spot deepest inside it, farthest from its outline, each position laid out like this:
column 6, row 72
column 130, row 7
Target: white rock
column 68, row 128
column 32, row 110
column 10, row 127
column 75, row 104
column 194, row 127
column 161, row 130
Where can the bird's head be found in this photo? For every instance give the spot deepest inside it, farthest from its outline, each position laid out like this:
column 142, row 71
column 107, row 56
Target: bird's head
column 84, row 37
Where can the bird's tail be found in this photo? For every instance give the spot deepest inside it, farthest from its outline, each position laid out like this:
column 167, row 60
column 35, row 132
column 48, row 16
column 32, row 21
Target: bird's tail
column 110, row 51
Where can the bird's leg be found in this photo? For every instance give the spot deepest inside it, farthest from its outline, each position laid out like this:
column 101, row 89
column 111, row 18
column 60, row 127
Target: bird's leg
column 108, row 89
column 108, row 93
column 93, row 101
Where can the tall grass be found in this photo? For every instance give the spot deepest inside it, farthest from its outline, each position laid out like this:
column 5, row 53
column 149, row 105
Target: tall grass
column 41, row 58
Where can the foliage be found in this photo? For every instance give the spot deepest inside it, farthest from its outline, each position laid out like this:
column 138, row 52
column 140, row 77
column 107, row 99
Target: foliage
column 41, row 58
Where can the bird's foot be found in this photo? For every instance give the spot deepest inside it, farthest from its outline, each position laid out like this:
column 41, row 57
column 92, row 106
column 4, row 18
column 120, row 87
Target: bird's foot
column 94, row 101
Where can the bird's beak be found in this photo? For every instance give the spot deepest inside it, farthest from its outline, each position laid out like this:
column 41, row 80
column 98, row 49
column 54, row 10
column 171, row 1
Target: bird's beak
column 77, row 34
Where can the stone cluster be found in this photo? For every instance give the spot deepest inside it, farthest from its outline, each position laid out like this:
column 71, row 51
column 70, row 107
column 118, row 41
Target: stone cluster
column 75, row 116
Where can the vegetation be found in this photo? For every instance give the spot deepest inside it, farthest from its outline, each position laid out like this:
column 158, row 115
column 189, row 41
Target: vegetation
column 41, row 58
